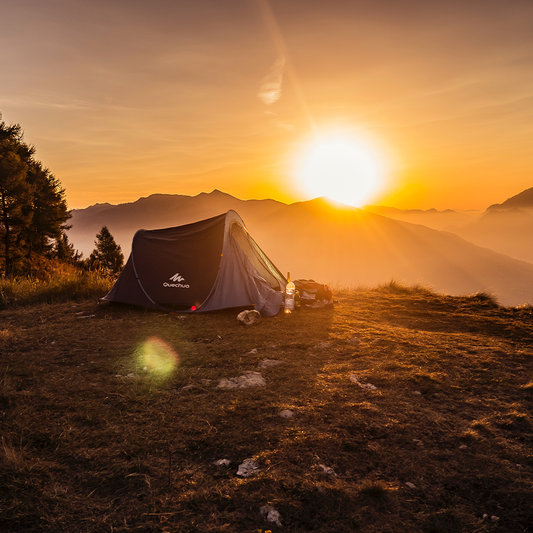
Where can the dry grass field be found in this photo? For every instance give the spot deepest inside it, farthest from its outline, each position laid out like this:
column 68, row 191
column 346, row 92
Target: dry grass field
column 411, row 412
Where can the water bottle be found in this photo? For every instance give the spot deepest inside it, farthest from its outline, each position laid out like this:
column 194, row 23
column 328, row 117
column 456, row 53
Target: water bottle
column 290, row 291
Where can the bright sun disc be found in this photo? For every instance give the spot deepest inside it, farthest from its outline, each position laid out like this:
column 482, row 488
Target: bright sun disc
column 344, row 169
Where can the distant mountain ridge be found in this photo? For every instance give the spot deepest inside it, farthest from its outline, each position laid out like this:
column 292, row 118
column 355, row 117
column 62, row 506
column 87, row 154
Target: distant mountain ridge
column 505, row 227
column 334, row 244
column 521, row 200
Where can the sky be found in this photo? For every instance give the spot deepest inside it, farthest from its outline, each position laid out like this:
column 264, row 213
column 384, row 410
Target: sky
column 127, row 98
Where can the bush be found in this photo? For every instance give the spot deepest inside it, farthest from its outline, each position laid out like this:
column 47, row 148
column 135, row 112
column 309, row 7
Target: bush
column 53, row 284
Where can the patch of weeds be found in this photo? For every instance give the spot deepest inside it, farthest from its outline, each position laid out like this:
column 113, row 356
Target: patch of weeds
column 374, row 489
column 484, row 298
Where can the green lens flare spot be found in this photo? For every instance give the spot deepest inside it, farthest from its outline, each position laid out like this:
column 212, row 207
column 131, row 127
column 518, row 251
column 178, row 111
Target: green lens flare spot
column 157, row 357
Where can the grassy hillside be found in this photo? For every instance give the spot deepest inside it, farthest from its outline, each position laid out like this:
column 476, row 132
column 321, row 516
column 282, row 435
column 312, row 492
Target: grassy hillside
column 412, row 413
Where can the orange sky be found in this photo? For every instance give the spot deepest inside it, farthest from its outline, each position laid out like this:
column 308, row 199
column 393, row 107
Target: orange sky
column 124, row 99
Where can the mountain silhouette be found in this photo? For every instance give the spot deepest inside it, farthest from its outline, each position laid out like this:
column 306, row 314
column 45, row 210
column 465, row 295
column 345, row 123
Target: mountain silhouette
column 331, row 243
column 523, row 200
column 505, row 227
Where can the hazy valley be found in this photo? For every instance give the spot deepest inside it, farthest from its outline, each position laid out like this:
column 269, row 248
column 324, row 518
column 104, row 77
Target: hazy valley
column 450, row 251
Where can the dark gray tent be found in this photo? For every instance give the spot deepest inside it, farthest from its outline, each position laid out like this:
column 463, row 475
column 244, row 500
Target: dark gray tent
column 208, row 265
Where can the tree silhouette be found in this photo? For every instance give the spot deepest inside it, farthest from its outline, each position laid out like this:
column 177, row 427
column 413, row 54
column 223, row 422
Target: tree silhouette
column 107, row 255
column 33, row 208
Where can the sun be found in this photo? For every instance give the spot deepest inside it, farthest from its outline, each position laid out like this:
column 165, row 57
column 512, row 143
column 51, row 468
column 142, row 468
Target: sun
column 342, row 167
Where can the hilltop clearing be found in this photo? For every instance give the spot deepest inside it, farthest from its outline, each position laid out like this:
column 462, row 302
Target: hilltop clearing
column 400, row 411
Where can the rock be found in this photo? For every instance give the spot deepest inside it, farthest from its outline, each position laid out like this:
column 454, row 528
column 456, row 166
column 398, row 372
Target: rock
column 368, row 386
column 326, row 469
column 248, row 467
column 249, row 317
column 222, row 462
column 268, row 363
column 463, row 447
column 187, row 387
column 353, row 340
column 252, row 352
column 323, row 346
column 287, row 413
column 271, row 515
column 411, row 485
column 417, row 393
column 248, row 379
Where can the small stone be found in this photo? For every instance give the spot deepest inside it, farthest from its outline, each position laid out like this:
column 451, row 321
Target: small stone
column 222, row 462
column 411, row 485
column 287, row 413
column 187, row 387
column 326, row 469
column 253, row 352
column 417, row 393
column 353, row 340
column 323, row 345
column 249, row 317
column 247, row 468
column 463, row 447
column 268, row 363
column 248, row 379
column 271, row 515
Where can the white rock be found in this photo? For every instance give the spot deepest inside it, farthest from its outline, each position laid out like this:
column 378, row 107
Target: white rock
column 368, row 386
column 326, row 469
column 252, row 352
column 268, row 363
column 222, row 462
column 248, row 379
column 417, row 393
column 287, row 413
column 248, row 467
column 463, row 447
column 411, row 485
column 271, row 515
column 249, row 317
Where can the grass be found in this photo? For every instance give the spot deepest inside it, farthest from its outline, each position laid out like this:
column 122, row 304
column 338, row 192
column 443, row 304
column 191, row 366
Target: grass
column 112, row 419
column 64, row 283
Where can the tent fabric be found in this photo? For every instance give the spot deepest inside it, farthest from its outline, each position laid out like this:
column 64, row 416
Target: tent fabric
column 204, row 266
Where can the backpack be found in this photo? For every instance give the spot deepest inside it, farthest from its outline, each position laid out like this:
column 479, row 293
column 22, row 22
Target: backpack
column 313, row 294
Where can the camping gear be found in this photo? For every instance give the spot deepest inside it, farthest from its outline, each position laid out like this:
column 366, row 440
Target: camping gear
column 313, row 294
column 204, row 266
column 290, row 293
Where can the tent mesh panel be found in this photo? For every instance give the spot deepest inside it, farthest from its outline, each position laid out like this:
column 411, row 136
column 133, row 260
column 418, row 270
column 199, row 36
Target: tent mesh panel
column 257, row 257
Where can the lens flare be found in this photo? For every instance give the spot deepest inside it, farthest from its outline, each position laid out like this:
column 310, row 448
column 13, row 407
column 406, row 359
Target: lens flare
column 157, row 357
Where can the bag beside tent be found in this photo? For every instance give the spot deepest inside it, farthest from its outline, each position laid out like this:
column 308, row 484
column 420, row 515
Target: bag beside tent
column 204, row 266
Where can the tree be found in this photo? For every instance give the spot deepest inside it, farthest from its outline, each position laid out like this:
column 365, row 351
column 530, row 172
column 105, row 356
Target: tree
column 107, row 255
column 33, row 207
column 50, row 212
column 15, row 191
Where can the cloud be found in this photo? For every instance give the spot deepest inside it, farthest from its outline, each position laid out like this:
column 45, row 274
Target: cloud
column 270, row 90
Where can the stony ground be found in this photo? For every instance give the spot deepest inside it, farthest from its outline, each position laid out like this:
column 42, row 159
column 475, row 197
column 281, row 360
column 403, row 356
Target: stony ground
column 398, row 411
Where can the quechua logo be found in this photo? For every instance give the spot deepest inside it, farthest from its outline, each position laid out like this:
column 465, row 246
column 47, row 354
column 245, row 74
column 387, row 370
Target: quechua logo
column 177, row 280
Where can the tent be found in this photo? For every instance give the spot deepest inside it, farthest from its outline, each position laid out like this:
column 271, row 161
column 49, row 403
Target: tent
column 204, row 266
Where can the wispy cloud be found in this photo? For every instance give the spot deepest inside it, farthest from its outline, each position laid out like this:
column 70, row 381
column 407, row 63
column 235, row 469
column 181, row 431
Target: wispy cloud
column 270, row 90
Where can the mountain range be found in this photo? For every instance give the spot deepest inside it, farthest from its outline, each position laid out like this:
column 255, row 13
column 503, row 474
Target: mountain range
column 346, row 246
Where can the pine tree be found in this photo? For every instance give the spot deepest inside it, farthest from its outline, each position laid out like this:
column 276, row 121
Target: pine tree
column 33, row 207
column 50, row 212
column 15, row 193
column 107, row 255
